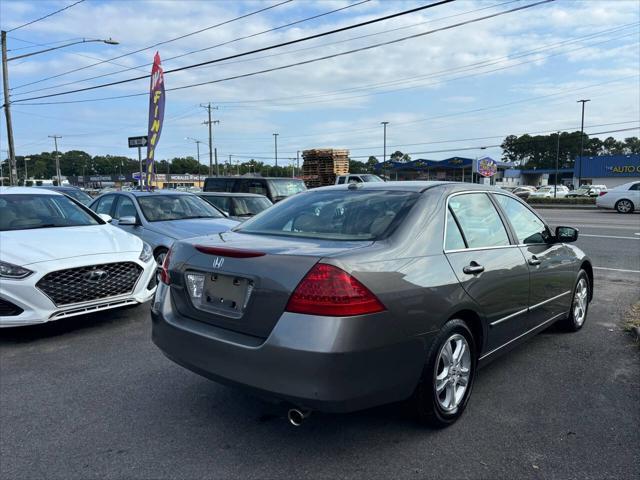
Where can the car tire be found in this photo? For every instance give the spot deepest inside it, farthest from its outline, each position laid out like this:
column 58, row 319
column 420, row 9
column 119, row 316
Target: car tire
column 579, row 304
column 624, row 206
column 440, row 397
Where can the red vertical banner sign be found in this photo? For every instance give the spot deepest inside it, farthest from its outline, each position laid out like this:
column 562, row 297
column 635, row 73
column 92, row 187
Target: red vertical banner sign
column 156, row 116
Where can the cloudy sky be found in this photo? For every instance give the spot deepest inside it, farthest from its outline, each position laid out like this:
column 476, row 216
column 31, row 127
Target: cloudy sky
column 446, row 93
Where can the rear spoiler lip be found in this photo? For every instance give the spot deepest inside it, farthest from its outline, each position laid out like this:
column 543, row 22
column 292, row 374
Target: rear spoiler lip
column 228, row 252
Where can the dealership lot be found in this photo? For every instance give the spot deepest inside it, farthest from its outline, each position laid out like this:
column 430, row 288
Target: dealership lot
column 92, row 397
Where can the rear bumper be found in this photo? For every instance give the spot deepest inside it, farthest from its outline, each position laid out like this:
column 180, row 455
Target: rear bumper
column 293, row 364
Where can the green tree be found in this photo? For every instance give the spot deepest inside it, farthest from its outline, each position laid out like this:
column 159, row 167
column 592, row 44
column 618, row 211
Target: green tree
column 398, row 156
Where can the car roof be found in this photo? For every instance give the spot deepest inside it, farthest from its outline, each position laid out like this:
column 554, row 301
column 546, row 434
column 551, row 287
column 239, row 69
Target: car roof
column 144, row 193
column 27, row 190
column 228, row 194
column 252, row 178
column 412, row 186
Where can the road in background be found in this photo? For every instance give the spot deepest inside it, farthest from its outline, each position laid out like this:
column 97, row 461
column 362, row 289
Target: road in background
column 611, row 239
column 91, row 397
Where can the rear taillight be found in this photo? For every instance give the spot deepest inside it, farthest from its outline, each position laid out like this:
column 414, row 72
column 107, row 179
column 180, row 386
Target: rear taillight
column 330, row 291
column 164, row 270
column 603, row 193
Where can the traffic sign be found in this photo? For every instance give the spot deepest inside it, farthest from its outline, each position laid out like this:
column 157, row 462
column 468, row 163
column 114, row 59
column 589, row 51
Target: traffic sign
column 138, row 141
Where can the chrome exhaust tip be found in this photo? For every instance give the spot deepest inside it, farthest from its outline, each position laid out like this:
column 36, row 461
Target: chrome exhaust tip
column 296, row 416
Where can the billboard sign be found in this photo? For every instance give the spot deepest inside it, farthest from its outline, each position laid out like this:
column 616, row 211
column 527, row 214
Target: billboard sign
column 487, row 167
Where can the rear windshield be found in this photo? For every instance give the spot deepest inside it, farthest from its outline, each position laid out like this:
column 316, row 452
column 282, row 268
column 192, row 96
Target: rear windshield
column 335, row 215
column 79, row 195
column 29, row 211
column 285, row 187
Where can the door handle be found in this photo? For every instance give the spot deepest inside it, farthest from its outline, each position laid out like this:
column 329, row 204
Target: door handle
column 534, row 260
column 473, row 268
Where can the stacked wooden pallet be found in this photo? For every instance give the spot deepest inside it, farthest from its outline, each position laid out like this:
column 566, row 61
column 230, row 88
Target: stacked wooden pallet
column 321, row 166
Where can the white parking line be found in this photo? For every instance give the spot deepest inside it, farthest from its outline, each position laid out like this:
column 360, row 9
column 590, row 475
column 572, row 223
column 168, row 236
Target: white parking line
column 616, row 270
column 607, row 236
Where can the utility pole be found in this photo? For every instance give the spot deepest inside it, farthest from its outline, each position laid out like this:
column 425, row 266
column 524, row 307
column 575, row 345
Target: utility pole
column 581, row 142
column 55, row 142
column 13, row 169
column 275, row 142
column 384, row 155
column 230, row 161
column 555, row 190
column 26, row 175
column 298, row 161
column 210, row 122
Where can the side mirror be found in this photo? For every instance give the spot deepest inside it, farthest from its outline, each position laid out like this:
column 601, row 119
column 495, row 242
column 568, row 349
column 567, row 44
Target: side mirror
column 566, row 234
column 128, row 221
column 105, row 217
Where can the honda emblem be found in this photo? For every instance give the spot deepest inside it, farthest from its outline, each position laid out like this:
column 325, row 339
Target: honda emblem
column 218, row 262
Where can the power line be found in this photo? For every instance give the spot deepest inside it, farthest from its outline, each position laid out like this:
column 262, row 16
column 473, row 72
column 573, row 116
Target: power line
column 270, row 47
column 276, row 54
column 164, row 60
column 369, row 47
column 46, row 16
column 157, row 44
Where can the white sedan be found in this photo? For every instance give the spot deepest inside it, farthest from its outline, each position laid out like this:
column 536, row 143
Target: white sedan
column 547, row 192
column 58, row 259
column 623, row 198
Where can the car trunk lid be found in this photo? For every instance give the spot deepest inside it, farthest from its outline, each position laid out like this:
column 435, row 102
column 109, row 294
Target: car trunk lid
column 243, row 282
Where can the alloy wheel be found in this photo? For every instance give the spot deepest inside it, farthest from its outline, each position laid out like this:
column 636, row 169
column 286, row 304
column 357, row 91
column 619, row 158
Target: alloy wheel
column 623, row 206
column 580, row 302
column 453, row 372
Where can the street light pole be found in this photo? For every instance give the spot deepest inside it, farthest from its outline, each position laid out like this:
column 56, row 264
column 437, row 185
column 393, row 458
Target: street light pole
column 26, row 175
column 384, row 155
column 13, row 171
column 555, row 190
column 275, row 140
column 581, row 142
column 55, row 142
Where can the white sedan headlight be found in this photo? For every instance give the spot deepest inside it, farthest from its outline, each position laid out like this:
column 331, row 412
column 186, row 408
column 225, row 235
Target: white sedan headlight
column 9, row 270
column 146, row 253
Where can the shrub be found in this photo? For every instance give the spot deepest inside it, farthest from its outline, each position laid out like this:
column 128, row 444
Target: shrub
column 563, row 201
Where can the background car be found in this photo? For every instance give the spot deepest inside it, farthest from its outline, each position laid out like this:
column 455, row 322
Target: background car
column 587, row 191
column 74, row 192
column 161, row 217
column 59, row 260
column 523, row 191
column 623, row 198
column 346, row 297
column 274, row 188
column 238, row 206
column 548, row 192
column 357, row 178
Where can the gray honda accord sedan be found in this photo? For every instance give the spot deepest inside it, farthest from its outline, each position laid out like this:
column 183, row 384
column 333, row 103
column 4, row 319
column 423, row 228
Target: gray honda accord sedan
column 347, row 297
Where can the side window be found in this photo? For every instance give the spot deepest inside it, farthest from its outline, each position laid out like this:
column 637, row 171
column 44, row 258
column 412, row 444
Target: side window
column 635, row 186
column 479, row 220
column 125, row 208
column 528, row 227
column 219, row 185
column 104, row 204
column 453, row 238
column 341, row 180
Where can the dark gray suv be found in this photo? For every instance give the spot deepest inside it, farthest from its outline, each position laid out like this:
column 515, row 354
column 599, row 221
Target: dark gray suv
column 347, row 297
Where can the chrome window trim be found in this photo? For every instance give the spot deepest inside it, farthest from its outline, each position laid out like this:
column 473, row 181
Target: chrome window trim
column 555, row 317
column 533, row 307
column 444, row 231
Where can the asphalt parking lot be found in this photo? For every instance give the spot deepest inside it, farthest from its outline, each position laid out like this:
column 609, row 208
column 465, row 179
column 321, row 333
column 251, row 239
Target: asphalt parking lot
column 92, row 397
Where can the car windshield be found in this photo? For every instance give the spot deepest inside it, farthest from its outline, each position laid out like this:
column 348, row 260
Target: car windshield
column 335, row 215
column 371, row 178
column 80, row 196
column 582, row 190
column 158, row 208
column 249, row 206
column 285, row 187
column 31, row 211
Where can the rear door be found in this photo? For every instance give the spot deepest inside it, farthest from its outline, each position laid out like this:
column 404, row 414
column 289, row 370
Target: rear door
column 488, row 264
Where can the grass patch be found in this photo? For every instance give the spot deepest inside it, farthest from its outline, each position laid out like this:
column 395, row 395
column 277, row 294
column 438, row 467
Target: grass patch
column 632, row 320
